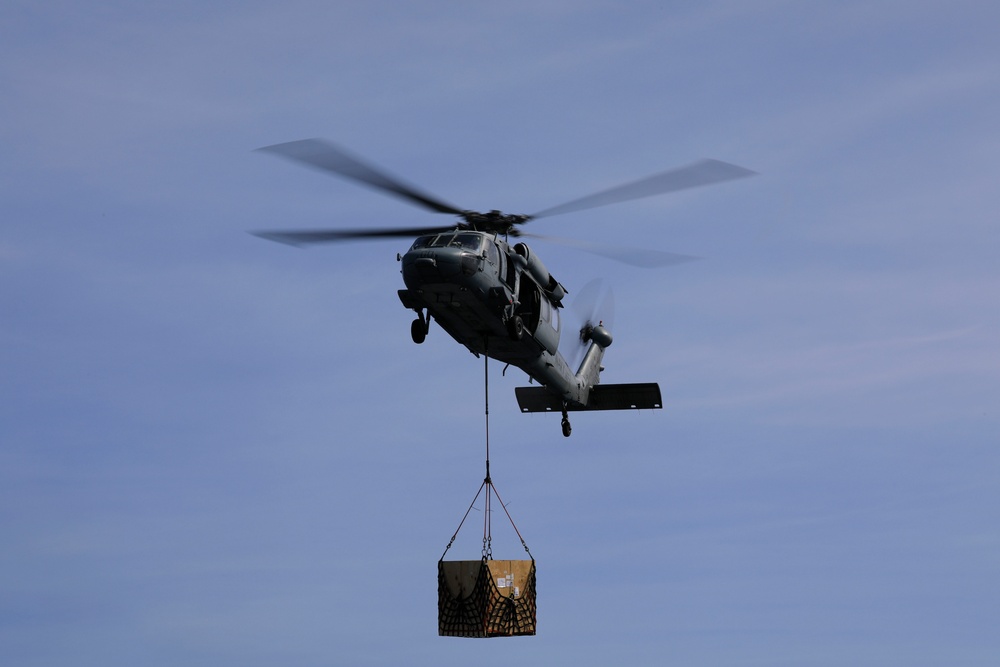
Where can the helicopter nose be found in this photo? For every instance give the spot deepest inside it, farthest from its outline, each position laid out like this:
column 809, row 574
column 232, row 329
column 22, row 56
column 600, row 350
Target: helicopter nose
column 430, row 264
column 426, row 268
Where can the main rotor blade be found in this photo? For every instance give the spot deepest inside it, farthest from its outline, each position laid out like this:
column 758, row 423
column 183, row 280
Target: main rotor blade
column 703, row 172
column 324, row 155
column 312, row 236
column 645, row 258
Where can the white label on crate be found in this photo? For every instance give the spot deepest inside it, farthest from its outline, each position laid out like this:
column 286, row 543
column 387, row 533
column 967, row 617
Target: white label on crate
column 517, row 592
column 502, row 582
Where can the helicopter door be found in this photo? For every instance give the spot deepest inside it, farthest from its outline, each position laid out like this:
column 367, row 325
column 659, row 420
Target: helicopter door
column 494, row 257
column 547, row 332
column 507, row 272
column 529, row 294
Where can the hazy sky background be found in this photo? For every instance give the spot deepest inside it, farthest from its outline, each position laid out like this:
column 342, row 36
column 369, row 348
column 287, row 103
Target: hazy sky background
column 216, row 450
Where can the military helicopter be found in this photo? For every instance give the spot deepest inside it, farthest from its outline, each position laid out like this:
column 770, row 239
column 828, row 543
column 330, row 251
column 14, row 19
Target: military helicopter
column 496, row 297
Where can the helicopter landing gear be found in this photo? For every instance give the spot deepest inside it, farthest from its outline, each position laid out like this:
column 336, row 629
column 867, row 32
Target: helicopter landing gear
column 566, row 428
column 419, row 328
column 515, row 327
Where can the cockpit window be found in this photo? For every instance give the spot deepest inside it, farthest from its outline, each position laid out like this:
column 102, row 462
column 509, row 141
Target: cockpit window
column 466, row 241
column 471, row 241
column 422, row 242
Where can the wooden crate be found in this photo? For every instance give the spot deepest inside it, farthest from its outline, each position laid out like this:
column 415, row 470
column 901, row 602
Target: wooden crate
column 486, row 598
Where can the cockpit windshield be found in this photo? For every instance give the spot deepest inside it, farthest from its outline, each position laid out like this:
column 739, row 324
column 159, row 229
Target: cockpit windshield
column 471, row 241
column 422, row 242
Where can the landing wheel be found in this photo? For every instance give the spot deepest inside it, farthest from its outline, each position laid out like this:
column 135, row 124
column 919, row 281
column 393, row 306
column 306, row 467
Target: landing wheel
column 566, row 428
column 515, row 327
column 418, row 330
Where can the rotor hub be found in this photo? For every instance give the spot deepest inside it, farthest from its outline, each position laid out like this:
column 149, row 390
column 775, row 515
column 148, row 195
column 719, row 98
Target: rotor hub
column 494, row 221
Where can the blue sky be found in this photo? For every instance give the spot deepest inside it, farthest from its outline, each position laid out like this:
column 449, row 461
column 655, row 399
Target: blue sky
column 216, row 450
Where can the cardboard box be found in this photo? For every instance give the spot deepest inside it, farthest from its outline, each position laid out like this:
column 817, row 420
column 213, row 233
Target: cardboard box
column 486, row 598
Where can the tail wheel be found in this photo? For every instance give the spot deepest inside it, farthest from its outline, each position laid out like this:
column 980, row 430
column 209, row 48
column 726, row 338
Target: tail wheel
column 566, row 428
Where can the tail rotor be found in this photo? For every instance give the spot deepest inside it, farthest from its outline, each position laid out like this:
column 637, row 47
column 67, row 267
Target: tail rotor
column 593, row 312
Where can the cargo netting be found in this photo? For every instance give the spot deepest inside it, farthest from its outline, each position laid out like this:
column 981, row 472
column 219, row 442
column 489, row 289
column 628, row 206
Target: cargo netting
column 487, row 610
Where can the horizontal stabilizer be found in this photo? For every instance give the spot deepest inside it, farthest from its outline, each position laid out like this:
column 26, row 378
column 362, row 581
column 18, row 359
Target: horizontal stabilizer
column 638, row 396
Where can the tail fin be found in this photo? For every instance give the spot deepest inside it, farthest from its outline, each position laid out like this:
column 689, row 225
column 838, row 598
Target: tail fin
column 592, row 395
column 588, row 393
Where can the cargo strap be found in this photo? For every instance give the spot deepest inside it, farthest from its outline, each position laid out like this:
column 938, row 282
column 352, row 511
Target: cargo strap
column 491, row 489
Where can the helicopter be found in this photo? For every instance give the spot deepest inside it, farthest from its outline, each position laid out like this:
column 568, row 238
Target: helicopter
column 494, row 295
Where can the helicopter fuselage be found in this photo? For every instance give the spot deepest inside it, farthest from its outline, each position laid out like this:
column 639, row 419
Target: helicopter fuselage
column 495, row 299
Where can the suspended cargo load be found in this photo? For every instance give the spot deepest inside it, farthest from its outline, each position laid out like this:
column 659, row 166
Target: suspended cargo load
column 486, row 598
